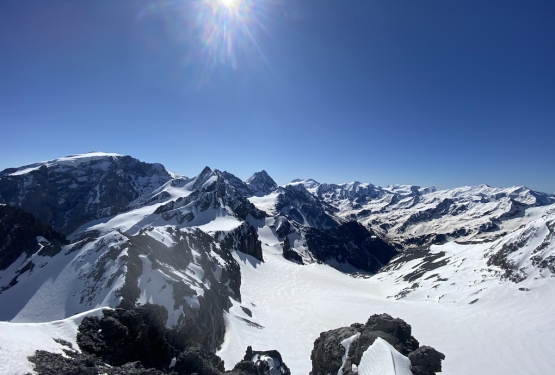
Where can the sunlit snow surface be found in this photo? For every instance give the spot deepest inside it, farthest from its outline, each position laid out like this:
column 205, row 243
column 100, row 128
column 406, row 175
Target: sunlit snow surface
column 506, row 331
column 20, row 340
column 383, row 359
column 71, row 160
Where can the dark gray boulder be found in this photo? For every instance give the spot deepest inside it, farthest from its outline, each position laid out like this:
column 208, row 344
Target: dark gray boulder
column 124, row 336
column 425, row 361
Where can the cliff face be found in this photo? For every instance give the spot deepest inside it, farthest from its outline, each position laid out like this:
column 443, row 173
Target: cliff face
column 68, row 192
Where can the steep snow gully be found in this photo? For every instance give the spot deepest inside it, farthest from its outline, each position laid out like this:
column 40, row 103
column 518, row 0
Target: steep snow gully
column 241, row 264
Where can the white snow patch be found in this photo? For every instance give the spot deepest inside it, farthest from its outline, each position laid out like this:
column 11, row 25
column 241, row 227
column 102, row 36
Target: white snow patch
column 383, row 359
column 266, row 203
column 221, row 223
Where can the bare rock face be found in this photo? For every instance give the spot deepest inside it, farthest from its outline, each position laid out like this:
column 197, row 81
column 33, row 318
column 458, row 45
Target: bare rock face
column 351, row 244
column 21, row 232
column 124, row 336
column 68, row 192
column 261, row 183
column 243, row 238
column 331, row 354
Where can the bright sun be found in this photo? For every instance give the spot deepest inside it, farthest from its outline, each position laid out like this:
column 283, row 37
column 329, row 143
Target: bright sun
column 230, row 4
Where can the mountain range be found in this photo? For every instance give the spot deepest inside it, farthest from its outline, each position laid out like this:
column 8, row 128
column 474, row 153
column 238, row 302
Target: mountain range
column 249, row 263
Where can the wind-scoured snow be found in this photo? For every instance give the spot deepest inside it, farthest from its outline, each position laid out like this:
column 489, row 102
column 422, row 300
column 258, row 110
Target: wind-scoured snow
column 266, row 203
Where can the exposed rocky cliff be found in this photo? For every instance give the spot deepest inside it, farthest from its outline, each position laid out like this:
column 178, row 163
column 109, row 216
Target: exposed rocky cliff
column 21, row 233
column 261, row 183
column 68, row 192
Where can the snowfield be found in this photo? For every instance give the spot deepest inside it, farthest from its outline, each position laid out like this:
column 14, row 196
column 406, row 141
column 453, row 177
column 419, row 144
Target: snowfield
column 508, row 331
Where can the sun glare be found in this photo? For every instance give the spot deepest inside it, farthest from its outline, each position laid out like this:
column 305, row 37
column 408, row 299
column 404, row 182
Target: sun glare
column 230, row 4
column 216, row 33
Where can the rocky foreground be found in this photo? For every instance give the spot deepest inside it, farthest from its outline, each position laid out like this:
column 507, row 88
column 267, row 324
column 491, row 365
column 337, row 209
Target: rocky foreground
column 137, row 342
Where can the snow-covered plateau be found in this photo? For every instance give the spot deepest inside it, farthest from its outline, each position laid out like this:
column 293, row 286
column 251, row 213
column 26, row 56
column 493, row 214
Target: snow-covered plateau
column 250, row 263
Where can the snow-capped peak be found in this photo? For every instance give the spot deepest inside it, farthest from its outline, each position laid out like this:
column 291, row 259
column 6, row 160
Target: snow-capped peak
column 70, row 160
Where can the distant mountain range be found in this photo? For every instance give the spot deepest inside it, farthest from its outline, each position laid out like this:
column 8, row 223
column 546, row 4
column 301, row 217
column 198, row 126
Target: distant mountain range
column 106, row 230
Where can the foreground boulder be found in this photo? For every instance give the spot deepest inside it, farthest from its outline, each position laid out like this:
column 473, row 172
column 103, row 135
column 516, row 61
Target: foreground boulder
column 261, row 363
column 341, row 351
column 137, row 342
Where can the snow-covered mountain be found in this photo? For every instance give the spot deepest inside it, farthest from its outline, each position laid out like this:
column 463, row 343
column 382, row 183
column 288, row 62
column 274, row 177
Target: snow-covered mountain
column 412, row 216
column 238, row 263
column 73, row 190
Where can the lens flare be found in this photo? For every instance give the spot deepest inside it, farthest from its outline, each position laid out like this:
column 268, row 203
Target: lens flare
column 213, row 35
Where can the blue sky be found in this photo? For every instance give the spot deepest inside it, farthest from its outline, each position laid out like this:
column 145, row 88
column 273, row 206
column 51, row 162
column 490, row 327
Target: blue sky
column 436, row 92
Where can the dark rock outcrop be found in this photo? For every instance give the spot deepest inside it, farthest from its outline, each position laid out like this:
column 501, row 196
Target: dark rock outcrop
column 243, row 238
column 289, row 254
column 349, row 244
column 18, row 235
column 261, row 183
column 136, row 342
column 124, row 336
column 425, row 361
column 328, row 352
column 66, row 194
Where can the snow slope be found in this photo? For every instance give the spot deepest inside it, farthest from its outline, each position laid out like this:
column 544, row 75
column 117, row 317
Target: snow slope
column 20, row 340
column 506, row 331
